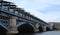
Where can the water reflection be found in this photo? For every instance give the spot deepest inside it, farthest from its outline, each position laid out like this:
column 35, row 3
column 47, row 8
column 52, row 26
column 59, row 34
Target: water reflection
column 27, row 34
column 49, row 33
column 45, row 33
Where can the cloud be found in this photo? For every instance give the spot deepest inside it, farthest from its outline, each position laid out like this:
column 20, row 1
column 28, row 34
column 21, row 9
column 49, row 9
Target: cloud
column 51, row 17
column 47, row 10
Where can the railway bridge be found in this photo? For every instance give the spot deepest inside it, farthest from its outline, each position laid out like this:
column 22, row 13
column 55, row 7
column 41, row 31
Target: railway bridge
column 16, row 20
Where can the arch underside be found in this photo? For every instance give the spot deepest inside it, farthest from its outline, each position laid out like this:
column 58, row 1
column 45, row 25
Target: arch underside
column 2, row 30
column 25, row 28
column 40, row 29
column 48, row 29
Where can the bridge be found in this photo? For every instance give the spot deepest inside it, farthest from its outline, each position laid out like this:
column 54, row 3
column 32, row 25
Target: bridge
column 16, row 20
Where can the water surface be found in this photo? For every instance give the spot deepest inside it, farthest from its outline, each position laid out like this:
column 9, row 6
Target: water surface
column 45, row 33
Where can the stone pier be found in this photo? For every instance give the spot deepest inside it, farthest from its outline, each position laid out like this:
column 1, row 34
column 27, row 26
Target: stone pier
column 36, row 27
column 12, row 26
column 44, row 28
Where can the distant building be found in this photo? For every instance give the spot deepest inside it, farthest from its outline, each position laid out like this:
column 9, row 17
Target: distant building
column 56, row 25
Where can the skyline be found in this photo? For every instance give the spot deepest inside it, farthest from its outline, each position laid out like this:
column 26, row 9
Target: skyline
column 47, row 10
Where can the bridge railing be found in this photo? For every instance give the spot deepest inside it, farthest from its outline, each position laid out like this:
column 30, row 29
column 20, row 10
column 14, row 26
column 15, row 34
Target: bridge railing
column 11, row 11
column 3, row 14
column 5, row 8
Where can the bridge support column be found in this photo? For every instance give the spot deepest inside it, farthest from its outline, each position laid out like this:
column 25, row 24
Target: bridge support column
column 12, row 24
column 44, row 28
column 36, row 27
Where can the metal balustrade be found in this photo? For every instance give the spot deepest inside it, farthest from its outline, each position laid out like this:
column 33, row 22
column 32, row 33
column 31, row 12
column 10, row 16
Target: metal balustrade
column 12, row 11
column 4, row 8
column 5, row 3
column 0, row 7
column 16, row 12
column 20, row 14
column 3, row 14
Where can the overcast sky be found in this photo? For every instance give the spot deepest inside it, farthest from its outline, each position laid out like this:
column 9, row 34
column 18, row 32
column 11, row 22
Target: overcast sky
column 47, row 10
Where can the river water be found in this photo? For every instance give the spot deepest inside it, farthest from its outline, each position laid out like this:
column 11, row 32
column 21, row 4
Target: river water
column 45, row 33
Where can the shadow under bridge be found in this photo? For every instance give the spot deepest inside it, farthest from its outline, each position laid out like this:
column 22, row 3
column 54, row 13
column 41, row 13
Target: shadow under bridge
column 25, row 28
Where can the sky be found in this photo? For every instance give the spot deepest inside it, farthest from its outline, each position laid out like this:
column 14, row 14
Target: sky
column 47, row 10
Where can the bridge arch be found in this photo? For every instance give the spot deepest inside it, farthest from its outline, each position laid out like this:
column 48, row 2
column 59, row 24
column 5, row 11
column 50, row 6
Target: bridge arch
column 40, row 29
column 26, row 28
column 48, row 29
column 2, row 30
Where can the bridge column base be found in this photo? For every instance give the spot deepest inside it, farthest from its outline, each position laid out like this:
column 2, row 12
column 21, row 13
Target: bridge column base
column 36, row 27
column 44, row 28
column 36, row 30
column 11, row 33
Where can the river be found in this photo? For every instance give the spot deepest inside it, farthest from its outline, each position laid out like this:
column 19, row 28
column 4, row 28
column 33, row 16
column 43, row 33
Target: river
column 45, row 33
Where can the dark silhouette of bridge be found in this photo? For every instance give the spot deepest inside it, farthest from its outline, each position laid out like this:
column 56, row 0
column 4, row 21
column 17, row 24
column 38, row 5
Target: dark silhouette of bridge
column 15, row 20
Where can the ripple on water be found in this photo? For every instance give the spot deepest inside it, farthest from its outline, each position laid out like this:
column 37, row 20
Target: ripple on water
column 49, row 33
column 45, row 33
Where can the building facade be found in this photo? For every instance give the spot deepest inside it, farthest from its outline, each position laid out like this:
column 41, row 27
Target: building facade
column 56, row 25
